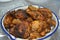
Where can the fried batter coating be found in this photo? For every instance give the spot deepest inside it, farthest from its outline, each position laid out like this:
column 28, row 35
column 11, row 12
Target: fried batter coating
column 35, row 25
column 35, row 14
column 20, row 14
column 16, row 21
column 29, row 19
column 47, row 29
column 39, row 25
column 32, row 8
column 43, row 33
column 51, row 22
column 46, row 12
column 7, row 21
column 24, row 29
column 12, row 31
column 34, row 35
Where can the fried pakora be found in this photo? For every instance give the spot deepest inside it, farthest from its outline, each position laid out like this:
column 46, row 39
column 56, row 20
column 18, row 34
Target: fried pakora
column 30, row 23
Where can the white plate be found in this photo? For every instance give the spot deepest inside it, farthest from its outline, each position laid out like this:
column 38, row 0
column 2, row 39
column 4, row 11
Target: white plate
column 24, row 7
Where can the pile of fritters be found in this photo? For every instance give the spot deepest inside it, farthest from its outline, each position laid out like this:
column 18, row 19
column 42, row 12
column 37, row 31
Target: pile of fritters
column 30, row 23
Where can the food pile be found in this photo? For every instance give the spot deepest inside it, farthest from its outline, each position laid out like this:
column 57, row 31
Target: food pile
column 30, row 23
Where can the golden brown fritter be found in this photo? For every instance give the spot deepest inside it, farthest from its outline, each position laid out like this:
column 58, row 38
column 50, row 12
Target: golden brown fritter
column 46, row 12
column 19, row 14
column 35, row 15
column 29, row 19
column 51, row 21
column 35, row 25
column 23, row 30
column 7, row 21
column 34, row 35
column 16, row 21
column 32, row 8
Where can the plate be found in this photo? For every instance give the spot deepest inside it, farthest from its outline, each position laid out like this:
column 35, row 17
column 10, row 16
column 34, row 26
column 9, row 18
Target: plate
column 24, row 7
